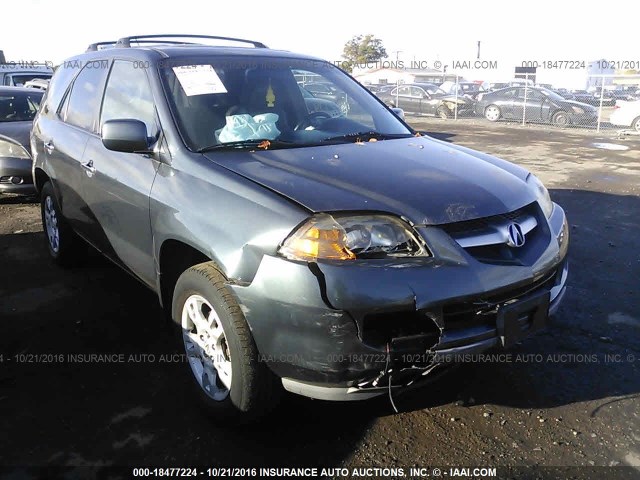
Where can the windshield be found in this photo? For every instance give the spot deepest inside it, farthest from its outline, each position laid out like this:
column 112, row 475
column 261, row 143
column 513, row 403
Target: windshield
column 289, row 102
column 19, row 107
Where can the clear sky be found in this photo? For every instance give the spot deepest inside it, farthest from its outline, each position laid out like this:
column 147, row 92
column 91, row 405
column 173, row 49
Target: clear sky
column 510, row 31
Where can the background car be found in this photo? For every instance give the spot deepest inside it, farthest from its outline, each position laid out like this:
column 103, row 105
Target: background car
column 17, row 74
column 18, row 107
column 564, row 93
column 541, row 105
column 608, row 99
column 329, row 92
column 627, row 114
column 38, row 83
column 427, row 99
column 380, row 87
column 319, row 105
column 469, row 89
column 624, row 95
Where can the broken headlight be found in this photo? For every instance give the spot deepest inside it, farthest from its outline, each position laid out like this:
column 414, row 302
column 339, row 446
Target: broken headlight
column 542, row 194
column 327, row 237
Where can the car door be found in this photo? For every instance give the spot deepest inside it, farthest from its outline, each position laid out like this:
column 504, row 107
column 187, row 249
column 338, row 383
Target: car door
column 118, row 184
column 508, row 102
column 417, row 98
column 65, row 139
column 533, row 104
column 401, row 98
column 431, row 102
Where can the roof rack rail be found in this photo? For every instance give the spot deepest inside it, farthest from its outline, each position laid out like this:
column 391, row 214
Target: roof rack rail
column 126, row 41
column 96, row 46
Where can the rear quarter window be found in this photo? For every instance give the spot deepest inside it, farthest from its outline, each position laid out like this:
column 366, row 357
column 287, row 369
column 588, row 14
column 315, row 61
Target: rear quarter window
column 58, row 85
column 83, row 101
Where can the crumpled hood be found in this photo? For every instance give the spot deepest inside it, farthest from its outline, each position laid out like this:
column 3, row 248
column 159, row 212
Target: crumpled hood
column 451, row 97
column 425, row 180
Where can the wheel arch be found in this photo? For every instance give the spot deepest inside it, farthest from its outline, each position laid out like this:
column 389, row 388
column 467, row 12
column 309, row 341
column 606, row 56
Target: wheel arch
column 40, row 177
column 174, row 257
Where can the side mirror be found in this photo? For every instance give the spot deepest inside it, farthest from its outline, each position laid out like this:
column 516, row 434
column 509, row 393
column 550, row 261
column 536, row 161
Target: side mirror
column 127, row 136
column 398, row 112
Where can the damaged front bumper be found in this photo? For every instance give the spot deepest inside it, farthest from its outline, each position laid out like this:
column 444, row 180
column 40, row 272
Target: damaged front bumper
column 351, row 331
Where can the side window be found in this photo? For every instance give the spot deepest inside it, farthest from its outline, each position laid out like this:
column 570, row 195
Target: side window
column 58, row 85
column 533, row 94
column 417, row 92
column 128, row 96
column 83, row 103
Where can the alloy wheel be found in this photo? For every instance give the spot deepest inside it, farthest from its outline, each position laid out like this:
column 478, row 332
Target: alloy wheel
column 206, row 347
column 51, row 224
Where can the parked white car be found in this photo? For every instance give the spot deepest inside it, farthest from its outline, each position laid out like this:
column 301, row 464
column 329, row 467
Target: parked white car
column 627, row 114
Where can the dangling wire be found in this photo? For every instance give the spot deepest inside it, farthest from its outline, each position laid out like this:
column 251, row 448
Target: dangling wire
column 386, row 371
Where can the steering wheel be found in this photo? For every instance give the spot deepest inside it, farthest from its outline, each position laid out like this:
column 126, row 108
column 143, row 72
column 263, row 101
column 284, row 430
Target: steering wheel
column 310, row 119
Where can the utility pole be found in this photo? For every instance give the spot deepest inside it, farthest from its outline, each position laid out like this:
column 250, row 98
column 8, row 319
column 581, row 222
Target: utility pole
column 397, row 52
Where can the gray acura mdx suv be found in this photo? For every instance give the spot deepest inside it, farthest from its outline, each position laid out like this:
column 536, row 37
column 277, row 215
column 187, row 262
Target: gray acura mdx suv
column 334, row 252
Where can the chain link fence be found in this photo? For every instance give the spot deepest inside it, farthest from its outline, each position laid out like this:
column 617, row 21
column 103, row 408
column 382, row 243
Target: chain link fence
column 606, row 101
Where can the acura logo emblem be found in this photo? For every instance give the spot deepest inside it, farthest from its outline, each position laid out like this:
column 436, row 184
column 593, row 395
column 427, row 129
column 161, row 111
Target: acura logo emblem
column 515, row 236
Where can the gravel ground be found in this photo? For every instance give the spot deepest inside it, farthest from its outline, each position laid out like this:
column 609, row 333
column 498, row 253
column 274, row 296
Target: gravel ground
column 568, row 397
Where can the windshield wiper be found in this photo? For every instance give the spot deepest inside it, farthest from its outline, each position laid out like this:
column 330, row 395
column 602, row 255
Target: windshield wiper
column 366, row 136
column 260, row 143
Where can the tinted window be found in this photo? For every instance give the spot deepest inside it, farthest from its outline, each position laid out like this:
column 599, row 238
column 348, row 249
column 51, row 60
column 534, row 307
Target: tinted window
column 509, row 93
column 530, row 94
column 128, row 96
column 19, row 107
column 86, row 93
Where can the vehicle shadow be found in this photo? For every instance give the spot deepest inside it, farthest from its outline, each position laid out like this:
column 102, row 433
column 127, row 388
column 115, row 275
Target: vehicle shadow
column 95, row 372
column 92, row 369
column 11, row 199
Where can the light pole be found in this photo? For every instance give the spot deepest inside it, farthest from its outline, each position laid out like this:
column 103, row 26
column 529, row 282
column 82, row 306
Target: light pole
column 397, row 52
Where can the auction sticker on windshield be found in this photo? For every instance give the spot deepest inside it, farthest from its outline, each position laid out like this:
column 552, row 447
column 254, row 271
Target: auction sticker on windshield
column 199, row 80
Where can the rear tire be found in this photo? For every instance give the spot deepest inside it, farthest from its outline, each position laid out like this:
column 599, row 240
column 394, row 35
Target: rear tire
column 492, row 113
column 230, row 380
column 64, row 245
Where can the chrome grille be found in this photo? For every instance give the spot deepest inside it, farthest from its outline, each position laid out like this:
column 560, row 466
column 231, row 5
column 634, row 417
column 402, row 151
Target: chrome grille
column 487, row 239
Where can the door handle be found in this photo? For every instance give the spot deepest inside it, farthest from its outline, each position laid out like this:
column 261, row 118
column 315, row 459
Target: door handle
column 49, row 147
column 89, row 168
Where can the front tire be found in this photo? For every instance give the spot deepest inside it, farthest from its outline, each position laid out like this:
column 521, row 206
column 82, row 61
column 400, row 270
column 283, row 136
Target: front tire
column 64, row 245
column 223, row 358
column 561, row 119
column 442, row 112
column 636, row 124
